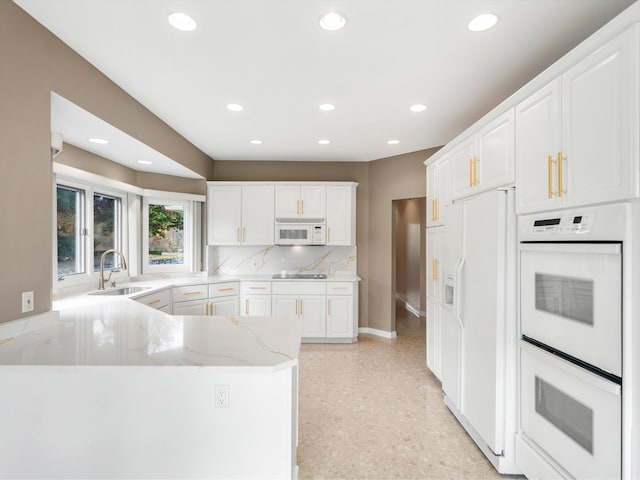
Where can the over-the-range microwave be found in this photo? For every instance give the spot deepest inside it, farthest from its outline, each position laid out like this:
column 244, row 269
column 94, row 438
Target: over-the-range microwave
column 296, row 232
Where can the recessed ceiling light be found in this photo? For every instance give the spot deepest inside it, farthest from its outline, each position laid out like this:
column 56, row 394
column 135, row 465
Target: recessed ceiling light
column 182, row 21
column 418, row 107
column 324, row 142
column 327, row 107
column 255, row 141
column 393, row 142
column 234, row 107
column 99, row 141
column 482, row 22
column 332, row 21
column 145, row 162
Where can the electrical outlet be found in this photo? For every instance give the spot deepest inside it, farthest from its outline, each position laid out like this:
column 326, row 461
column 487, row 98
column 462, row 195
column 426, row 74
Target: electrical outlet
column 27, row 302
column 222, row 396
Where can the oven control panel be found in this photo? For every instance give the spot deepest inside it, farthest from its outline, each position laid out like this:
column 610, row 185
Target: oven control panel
column 568, row 224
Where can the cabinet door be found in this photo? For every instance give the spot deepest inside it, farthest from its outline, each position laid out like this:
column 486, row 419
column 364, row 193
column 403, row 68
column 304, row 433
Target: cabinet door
column 600, row 124
column 257, row 215
column 432, row 195
column 433, row 342
column 284, row 306
column 224, row 215
column 313, row 201
column 433, row 263
column 495, row 159
column 256, row 305
column 462, row 165
column 538, row 130
column 287, row 203
column 339, row 215
column 194, row 307
column 225, row 306
column 444, row 189
column 339, row 316
column 313, row 314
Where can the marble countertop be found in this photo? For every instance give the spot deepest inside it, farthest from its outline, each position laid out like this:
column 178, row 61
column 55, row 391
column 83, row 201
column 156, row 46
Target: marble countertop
column 121, row 332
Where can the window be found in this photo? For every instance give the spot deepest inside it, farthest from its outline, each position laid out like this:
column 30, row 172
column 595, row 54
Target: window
column 89, row 222
column 168, row 235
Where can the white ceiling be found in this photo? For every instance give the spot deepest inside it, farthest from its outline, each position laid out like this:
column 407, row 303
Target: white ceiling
column 274, row 59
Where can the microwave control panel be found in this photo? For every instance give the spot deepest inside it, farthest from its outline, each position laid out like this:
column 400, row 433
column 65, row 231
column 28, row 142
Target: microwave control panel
column 568, row 224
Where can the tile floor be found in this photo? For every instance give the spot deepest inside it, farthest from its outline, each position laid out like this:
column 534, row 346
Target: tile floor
column 372, row 410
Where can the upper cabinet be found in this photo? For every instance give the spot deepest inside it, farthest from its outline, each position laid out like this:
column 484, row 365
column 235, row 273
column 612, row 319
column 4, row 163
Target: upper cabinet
column 300, row 201
column 240, row 214
column 438, row 191
column 484, row 160
column 245, row 213
column 577, row 138
column 341, row 214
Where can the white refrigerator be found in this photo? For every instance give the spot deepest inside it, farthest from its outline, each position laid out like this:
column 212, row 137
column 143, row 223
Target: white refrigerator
column 481, row 392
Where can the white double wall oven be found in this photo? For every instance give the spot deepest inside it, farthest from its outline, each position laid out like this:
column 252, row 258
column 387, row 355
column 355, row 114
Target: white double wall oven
column 571, row 347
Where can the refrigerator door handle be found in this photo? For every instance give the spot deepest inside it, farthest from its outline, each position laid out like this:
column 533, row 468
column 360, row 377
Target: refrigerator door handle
column 457, row 309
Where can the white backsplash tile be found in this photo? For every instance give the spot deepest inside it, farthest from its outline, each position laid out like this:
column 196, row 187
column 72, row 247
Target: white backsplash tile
column 275, row 259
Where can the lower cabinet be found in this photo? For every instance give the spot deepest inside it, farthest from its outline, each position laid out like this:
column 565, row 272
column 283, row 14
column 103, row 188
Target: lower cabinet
column 433, row 336
column 342, row 314
column 214, row 299
column 160, row 300
column 255, row 299
column 302, row 300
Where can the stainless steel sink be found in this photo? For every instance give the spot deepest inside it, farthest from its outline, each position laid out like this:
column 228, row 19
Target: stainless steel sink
column 120, row 291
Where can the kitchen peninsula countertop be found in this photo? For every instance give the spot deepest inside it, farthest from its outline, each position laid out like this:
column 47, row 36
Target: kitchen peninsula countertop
column 120, row 332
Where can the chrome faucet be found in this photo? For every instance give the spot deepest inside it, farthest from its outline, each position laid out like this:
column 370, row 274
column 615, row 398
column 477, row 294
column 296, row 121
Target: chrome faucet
column 101, row 279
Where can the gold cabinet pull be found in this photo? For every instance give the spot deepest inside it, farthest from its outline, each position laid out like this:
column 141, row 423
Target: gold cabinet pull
column 227, row 289
column 297, row 310
column 328, row 234
column 154, row 302
column 243, row 234
column 471, row 172
column 302, row 207
column 258, row 288
column 329, row 306
column 192, row 293
column 298, row 207
column 475, row 171
column 560, row 187
column 550, row 176
column 206, row 309
column 246, row 306
column 238, row 234
column 433, row 270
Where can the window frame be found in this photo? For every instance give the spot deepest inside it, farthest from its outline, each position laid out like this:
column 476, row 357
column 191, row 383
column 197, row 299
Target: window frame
column 87, row 236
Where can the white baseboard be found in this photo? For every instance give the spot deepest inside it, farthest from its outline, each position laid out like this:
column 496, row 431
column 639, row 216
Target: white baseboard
column 375, row 331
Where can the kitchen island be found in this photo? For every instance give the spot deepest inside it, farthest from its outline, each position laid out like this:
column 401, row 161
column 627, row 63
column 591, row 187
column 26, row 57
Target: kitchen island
column 114, row 389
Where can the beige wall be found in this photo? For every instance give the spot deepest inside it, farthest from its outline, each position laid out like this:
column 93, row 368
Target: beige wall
column 34, row 63
column 409, row 229
column 380, row 182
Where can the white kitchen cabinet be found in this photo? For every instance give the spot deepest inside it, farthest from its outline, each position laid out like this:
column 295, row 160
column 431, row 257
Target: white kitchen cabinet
column 203, row 299
column 341, row 314
column 438, row 191
column 304, row 301
column 433, row 337
column 341, row 214
column 486, row 159
column 300, row 201
column 240, row 214
column 255, row 299
column 434, row 276
column 577, row 138
column 224, row 306
column 160, row 300
column 191, row 307
column 433, row 263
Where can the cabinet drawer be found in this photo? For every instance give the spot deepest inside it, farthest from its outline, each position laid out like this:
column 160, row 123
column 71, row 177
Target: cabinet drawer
column 299, row 288
column 255, row 288
column 339, row 288
column 156, row 300
column 224, row 289
column 190, row 292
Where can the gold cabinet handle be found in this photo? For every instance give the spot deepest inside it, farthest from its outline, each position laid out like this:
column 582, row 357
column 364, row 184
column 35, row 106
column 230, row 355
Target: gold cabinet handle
column 297, row 310
column 206, row 309
column 433, row 270
column 154, row 302
column 243, row 234
column 238, row 234
column 328, row 234
column 550, row 176
column 302, row 207
column 560, row 187
column 471, row 172
column 258, row 288
column 298, row 207
column 339, row 288
column 246, row 306
column 192, row 293
column 227, row 289
column 329, row 306
column 475, row 171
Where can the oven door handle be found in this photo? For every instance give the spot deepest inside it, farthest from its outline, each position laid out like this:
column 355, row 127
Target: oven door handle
column 457, row 293
column 583, row 247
